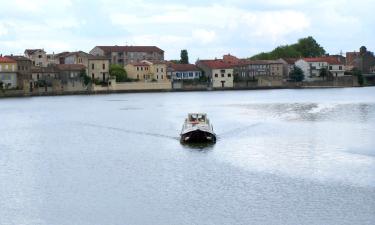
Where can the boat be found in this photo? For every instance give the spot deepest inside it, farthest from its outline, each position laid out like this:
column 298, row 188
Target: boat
column 197, row 129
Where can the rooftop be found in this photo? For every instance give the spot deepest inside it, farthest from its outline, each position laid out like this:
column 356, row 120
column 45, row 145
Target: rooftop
column 216, row 64
column 70, row 67
column 184, row 67
column 327, row 59
column 116, row 48
column 6, row 60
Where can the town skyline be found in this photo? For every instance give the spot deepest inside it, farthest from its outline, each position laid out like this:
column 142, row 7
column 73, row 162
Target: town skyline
column 207, row 30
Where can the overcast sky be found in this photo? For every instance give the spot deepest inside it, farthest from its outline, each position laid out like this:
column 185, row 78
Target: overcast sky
column 206, row 28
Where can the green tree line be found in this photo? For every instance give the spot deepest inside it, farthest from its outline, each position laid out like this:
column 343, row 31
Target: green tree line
column 305, row 47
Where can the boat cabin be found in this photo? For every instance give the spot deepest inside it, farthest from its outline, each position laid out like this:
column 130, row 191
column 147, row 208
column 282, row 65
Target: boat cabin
column 197, row 118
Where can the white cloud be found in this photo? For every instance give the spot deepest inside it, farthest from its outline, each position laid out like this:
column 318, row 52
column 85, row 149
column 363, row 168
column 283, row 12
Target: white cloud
column 3, row 29
column 204, row 36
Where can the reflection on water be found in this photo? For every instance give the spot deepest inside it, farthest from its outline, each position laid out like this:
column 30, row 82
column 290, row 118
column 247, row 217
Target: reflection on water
column 281, row 157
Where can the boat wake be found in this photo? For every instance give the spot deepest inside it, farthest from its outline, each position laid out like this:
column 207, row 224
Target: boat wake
column 236, row 131
column 221, row 136
column 130, row 131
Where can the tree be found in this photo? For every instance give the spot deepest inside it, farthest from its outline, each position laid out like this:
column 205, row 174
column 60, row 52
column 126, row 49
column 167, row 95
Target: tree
column 323, row 72
column 358, row 73
column 184, row 57
column 86, row 79
column 296, row 74
column 308, row 47
column 118, row 72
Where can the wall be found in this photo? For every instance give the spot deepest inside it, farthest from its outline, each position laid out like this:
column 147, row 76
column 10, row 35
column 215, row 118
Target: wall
column 98, row 71
column 223, row 75
column 128, row 86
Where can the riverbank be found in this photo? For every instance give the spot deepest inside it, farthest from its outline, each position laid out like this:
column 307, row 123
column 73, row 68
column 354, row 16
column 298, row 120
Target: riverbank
column 21, row 93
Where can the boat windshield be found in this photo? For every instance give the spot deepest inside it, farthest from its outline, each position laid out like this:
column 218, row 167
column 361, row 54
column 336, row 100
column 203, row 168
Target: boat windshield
column 197, row 118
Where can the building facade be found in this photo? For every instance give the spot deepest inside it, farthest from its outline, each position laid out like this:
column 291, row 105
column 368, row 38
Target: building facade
column 311, row 67
column 363, row 60
column 23, row 69
column 8, row 72
column 219, row 73
column 183, row 72
column 98, row 68
column 124, row 55
column 251, row 70
column 38, row 57
column 147, row 71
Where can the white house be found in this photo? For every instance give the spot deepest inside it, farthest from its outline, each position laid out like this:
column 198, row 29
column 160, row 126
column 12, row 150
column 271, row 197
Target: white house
column 311, row 67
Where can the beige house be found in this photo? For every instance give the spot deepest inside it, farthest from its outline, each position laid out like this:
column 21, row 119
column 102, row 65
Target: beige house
column 124, row 55
column 38, row 57
column 140, row 71
column 98, row 67
column 148, row 71
column 219, row 72
column 8, row 72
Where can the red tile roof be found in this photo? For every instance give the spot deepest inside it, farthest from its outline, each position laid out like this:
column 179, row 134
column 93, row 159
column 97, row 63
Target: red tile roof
column 290, row 61
column 327, row 59
column 184, row 67
column 217, row 64
column 70, row 67
column 130, row 49
column 7, row 60
column 139, row 64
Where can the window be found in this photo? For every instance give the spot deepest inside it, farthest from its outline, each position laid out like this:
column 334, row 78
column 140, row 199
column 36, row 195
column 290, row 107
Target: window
column 340, row 67
column 37, row 76
column 93, row 76
column 229, row 75
column 39, row 56
column 137, row 68
column 222, row 75
column 103, row 66
column 92, row 66
column 141, row 68
column 162, row 77
column 138, row 76
column 216, row 75
column 330, row 67
column 157, row 70
column 191, row 74
column 222, row 71
column 162, row 70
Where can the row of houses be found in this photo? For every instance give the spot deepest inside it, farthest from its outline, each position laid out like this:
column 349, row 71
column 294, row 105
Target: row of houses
column 147, row 64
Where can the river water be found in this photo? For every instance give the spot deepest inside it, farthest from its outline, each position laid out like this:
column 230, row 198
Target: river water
column 282, row 157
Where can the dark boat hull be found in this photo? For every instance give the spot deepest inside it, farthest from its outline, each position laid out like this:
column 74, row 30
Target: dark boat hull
column 198, row 136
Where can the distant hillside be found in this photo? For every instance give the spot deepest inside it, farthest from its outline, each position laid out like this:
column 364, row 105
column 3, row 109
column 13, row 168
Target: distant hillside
column 305, row 47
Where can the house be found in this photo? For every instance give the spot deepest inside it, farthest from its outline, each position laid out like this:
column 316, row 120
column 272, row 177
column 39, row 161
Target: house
column 311, row 67
column 44, row 74
column 288, row 65
column 251, row 70
column 8, row 72
column 183, row 71
column 37, row 56
column 219, row 72
column 147, row 71
column 124, row 55
column 98, row 68
column 139, row 71
column 70, row 76
column 79, row 57
column 363, row 60
column 23, row 69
